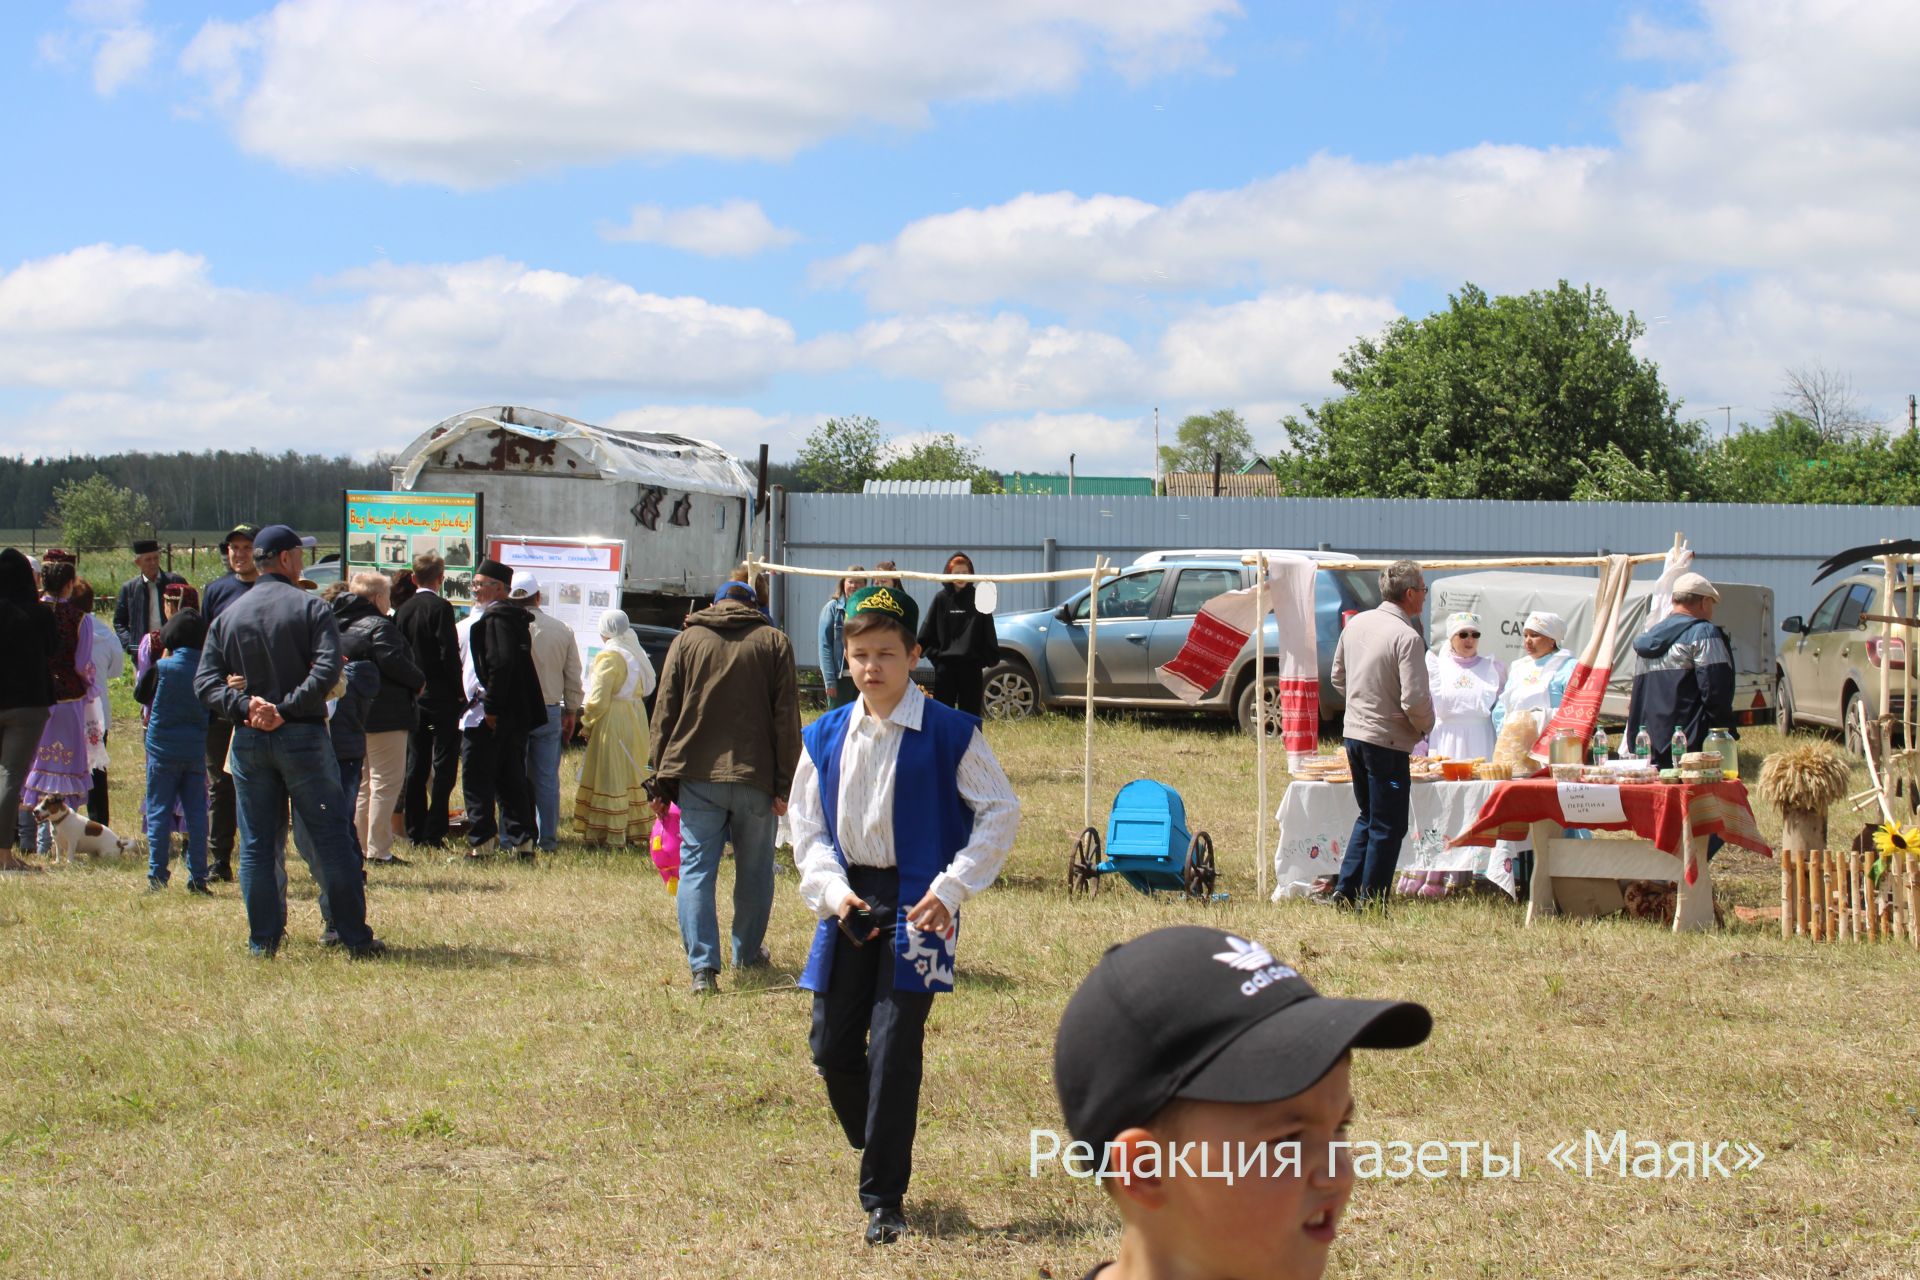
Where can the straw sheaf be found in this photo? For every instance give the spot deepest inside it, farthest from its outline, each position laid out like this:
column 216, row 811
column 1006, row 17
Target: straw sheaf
column 1810, row 776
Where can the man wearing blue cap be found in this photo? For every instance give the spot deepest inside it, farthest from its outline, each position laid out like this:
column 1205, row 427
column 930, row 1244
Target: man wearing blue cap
column 283, row 646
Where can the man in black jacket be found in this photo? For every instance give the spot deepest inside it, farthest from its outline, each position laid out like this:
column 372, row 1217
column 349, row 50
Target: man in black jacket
column 504, row 688
column 433, row 749
column 137, row 611
column 1685, row 680
column 389, row 720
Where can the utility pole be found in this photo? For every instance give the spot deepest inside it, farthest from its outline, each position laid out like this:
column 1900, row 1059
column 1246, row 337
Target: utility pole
column 1729, row 411
column 1913, row 418
column 1156, row 446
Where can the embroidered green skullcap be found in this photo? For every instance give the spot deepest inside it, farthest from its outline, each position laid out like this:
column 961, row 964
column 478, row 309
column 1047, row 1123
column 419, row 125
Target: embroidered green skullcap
column 891, row 601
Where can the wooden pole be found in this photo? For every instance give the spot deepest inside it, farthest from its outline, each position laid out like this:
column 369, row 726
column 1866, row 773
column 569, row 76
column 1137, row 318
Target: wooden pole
column 1817, row 889
column 1260, row 719
column 1093, row 638
column 1886, row 643
column 1845, row 904
column 1913, row 899
column 1798, row 898
column 1786, row 894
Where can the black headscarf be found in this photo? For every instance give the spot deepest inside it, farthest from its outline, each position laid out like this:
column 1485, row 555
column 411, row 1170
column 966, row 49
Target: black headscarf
column 16, row 578
column 185, row 630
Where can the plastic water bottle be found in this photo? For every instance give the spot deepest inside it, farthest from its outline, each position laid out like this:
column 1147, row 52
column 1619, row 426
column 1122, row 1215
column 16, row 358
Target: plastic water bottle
column 1678, row 747
column 1643, row 745
column 1600, row 751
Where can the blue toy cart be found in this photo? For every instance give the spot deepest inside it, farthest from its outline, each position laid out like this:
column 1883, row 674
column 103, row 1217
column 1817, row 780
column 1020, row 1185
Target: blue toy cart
column 1147, row 843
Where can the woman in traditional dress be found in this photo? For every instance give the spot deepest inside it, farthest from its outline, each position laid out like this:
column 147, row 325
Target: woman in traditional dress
column 1465, row 684
column 60, row 765
column 610, row 805
column 1537, row 682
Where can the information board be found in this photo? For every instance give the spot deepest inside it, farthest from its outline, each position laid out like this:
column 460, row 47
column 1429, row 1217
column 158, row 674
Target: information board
column 579, row 580
column 385, row 531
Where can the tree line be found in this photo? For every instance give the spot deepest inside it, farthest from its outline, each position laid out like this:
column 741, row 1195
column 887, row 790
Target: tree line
column 207, row 491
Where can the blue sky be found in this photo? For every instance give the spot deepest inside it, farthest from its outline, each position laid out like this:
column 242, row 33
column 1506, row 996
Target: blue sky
column 342, row 220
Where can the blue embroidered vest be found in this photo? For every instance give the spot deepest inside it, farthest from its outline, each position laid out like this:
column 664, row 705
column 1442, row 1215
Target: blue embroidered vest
column 931, row 823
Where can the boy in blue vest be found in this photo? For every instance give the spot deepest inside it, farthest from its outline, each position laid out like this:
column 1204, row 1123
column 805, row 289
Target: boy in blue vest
column 900, row 814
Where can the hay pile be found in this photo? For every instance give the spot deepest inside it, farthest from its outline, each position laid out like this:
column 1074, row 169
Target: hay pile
column 1808, row 776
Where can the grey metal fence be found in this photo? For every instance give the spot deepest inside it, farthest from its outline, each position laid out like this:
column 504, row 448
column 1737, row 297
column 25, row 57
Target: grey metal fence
column 1775, row 546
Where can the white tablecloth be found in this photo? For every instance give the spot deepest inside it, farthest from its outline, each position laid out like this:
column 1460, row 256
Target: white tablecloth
column 1317, row 817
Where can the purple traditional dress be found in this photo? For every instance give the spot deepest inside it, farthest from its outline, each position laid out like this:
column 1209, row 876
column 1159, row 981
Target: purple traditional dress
column 60, row 766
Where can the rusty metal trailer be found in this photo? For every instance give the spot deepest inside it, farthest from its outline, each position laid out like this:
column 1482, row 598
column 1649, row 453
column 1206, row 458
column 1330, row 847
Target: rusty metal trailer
column 684, row 508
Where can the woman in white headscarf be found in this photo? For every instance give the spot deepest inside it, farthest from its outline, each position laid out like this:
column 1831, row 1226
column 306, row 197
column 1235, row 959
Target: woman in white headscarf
column 1537, row 682
column 1465, row 684
column 610, row 805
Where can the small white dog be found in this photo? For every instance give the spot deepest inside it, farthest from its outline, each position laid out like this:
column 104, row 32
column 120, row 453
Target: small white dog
column 74, row 834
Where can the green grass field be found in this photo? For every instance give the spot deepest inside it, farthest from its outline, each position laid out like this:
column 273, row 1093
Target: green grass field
column 525, row 1088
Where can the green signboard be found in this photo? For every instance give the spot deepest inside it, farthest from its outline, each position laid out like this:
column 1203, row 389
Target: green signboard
column 385, row 531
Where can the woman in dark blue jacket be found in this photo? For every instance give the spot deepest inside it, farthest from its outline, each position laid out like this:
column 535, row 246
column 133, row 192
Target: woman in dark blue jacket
column 176, row 751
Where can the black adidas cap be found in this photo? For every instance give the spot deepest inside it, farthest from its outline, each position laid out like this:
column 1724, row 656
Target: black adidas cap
column 1193, row 1012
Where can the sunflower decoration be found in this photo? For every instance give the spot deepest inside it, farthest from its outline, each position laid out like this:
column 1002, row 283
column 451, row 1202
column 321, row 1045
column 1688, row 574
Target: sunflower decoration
column 1892, row 838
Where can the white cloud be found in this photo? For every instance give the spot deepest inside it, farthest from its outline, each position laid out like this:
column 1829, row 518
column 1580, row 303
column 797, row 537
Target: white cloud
column 991, row 363
column 730, row 229
column 1280, row 344
column 470, row 95
column 142, row 348
column 1043, row 442
column 1788, row 170
column 124, row 53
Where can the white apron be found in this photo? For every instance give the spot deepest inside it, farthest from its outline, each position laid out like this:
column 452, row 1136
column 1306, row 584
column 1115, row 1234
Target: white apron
column 1463, row 698
column 1529, row 686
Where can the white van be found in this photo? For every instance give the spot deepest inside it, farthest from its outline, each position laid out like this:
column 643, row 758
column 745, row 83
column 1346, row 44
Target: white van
column 1504, row 598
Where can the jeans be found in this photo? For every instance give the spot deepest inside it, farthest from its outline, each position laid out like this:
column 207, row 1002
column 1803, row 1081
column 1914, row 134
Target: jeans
column 303, row 840
column 709, row 812
column 294, row 763
column 168, row 782
column 20, row 730
column 543, row 775
column 433, row 752
column 1383, row 788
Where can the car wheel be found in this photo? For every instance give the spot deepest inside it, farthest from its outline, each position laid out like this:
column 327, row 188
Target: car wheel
column 1788, row 721
column 1856, row 745
column 1011, row 691
column 1245, row 712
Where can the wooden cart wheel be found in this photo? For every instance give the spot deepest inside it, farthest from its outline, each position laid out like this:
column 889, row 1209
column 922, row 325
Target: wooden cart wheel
column 1199, row 874
column 1083, row 873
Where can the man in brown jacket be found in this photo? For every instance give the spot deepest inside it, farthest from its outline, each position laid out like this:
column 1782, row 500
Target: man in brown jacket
column 1381, row 667
column 726, row 740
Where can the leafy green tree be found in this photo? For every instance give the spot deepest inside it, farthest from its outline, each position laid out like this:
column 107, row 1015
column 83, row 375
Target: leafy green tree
column 842, row 454
column 95, row 513
column 1531, row 397
column 1797, row 460
column 941, row 457
column 1202, row 435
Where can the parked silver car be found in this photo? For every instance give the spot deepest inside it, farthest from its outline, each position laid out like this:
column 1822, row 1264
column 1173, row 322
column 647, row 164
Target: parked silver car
column 1145, row 615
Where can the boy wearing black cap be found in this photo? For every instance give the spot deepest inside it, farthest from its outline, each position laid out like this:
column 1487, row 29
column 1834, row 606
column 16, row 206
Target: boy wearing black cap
column 900, row 814
column 1191, row 1035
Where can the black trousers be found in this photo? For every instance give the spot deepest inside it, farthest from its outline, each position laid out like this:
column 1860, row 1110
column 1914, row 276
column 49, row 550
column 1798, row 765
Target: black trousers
column 495, row 773
column 866, row 1043
column 961, row 686
column 433, row 761
column 97, row 807
column 223, row 815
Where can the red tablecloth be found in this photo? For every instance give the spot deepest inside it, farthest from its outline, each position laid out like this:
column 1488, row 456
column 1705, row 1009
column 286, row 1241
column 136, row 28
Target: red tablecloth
column 1654, row 812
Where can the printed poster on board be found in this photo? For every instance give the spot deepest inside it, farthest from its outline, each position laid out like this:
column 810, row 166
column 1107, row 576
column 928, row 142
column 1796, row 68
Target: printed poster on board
column 385, row 531
column 579, row 580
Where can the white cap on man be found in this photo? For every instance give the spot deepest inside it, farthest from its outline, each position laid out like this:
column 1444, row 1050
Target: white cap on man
column 525, row 585
column 1693, row 584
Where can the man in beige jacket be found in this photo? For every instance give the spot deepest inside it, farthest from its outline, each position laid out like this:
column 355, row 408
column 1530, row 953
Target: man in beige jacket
column 1380, row 665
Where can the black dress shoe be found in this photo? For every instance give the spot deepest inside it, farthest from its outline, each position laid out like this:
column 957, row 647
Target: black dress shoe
column 223, row 870
column 884, row 1226
column 371, row 949
column 199, row 887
